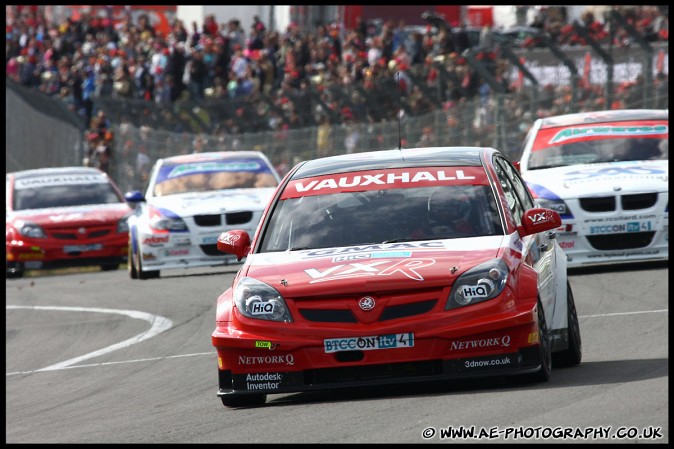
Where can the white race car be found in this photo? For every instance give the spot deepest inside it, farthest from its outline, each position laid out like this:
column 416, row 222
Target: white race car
column 606, row 173
column 189, row 201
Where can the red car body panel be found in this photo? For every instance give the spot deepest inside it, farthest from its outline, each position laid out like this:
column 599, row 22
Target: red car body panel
column 379, row 313
column 74, row 236
column 62, row 229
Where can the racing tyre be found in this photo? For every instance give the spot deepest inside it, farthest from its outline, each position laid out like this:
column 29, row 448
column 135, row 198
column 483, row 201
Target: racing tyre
column 574, row 353
column 110, row 267
column 131, row 265
column 144, row 274
column 13, row 270
column 244, row 400
column 544, row 349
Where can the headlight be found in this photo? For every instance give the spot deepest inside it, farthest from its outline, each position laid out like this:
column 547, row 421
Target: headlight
column 260, row 301
column 161, row 222
column 483, row 282
column 31, row 230
column 558, row 206
column 123, row 225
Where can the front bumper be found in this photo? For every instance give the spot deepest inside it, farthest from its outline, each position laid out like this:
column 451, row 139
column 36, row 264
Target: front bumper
column 178, row 250
column 253, row 364
column 525, row 360
column 588, row 250
column 45, row 253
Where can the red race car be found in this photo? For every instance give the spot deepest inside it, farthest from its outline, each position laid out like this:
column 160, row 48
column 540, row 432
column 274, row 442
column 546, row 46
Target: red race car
column 395, row 266
column 64, row 217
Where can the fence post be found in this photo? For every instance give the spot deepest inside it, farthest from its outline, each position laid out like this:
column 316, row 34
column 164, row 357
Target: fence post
column 608, row 92
column 545, row 38
column 648, row 54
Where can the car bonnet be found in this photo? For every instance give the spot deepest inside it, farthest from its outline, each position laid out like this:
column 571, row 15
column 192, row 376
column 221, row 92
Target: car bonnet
column 577, row 181
column 371, row 268
column 80, row 215
column 217, row 201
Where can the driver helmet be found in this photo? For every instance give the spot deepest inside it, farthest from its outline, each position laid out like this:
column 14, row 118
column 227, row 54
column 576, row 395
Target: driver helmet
column 448, row 205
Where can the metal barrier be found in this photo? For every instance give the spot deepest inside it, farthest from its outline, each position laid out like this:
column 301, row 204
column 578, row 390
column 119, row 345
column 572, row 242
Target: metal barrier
column 40, row 131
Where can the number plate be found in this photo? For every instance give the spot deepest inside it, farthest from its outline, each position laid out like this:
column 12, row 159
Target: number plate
column 369, row 343
column 82, row 248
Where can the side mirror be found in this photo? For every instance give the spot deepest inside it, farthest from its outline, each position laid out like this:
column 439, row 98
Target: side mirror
column 134, row 197
column 538, row 220
column 234, row 242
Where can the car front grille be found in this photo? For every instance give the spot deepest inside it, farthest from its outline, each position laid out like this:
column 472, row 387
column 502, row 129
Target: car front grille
column 230, row 219
column 599, row 204
column 405, row 310
column 345, row 315
column 328, row 316
column 211, row 250
column 208, row 220
column 236, row 218
column 74, row 234
column 638, row 201
column 621, row 241
column 627, row 202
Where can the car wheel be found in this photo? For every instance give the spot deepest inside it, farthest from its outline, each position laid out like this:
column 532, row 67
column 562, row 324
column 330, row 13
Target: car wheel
column 574, row 353
column 110, row 267
column 544, row 350
column 139, row 268
column 244, row 400
column 131, row 264
column 14, row 270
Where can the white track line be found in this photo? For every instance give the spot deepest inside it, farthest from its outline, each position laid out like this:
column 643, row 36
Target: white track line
column 159, row 325
column 623, row 313
column 166, row 322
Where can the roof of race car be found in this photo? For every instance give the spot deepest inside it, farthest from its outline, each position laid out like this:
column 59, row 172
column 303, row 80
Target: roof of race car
column 36, row 172
column 581, row 118
column 407, row 157
column 189, row 158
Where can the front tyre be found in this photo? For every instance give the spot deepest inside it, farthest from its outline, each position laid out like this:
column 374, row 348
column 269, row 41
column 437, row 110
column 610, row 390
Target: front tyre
column 244, row 400
column 574, row 353
column 110, row 267
column 544, row 350
column 139, row 267
column 13, row 270
column 131, row 264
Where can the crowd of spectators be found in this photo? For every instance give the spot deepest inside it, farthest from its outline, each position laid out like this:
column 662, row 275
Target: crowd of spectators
column 81, row 60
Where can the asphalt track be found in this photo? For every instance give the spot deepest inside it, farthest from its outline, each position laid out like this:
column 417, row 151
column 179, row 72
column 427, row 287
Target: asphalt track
column 98, row 358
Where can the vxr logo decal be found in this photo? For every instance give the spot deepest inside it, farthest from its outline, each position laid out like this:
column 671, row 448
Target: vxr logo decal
column 539, row 218
column 377, row 268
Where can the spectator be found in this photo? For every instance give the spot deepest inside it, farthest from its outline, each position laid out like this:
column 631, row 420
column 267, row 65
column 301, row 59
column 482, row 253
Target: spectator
column 461, row 39
column 143, row 166
column 427, row 138
column 195, row 71
column 198, row 145
column 323, row 146
column 331, row 68
column 352, row 134
column 145, row 28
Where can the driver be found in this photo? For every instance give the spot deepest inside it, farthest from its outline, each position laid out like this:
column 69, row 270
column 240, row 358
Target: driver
column 449, row 210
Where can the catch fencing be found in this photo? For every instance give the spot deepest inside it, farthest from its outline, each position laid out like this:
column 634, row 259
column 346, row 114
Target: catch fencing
column 438, row 111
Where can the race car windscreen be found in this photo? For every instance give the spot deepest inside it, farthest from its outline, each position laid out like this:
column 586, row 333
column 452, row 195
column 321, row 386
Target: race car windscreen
column 380, row 216
column 204, row 176
column 559, row 147
column 46, row 196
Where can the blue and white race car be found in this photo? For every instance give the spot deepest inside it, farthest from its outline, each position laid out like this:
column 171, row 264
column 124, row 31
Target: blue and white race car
column 606, row 173
column 189, row 201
